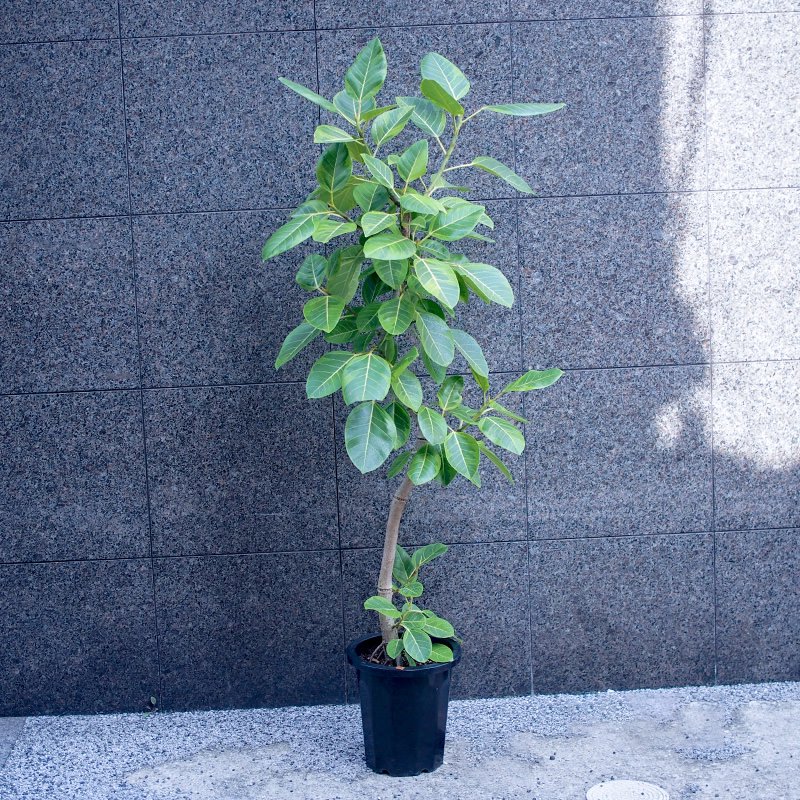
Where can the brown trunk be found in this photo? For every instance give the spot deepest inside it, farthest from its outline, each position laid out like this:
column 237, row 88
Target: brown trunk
column 396, row 510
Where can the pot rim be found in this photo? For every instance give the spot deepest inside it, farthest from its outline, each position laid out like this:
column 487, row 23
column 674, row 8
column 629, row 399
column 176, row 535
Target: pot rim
column 356, row 661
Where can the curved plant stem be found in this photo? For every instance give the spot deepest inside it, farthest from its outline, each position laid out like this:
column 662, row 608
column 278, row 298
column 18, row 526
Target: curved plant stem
column 396, row 509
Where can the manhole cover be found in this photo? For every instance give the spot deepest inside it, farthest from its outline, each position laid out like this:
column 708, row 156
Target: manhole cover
column 626, row 790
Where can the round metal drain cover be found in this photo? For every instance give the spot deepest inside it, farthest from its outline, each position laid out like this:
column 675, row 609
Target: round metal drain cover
column 626, row 790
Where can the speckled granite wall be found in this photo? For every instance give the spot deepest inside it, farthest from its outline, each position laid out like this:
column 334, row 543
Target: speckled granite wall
column 167, row 528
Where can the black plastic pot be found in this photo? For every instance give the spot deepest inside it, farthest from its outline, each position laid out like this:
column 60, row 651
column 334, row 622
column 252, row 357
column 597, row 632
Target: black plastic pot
column 403, row 711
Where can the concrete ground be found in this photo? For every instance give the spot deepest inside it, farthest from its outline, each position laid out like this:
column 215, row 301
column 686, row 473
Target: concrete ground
column 736, row 743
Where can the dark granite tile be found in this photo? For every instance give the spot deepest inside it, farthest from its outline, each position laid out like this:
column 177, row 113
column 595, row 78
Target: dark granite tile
column 249, row 631
column 755, row 274
column 44, row 20
column 576, row 9
column 757, row 445
column 72, row 477
column 338, row 14
column 67, row 306
column 62, row 145
column 240, row 469
column 622, row 613
column 10, row 730
column 620, row 452
column 614, row 281
column 495, row 512
column 758, row 606
column 753, row 117
column 483, row 54
column 77, row 637
column 749, row 6
column 634, row 95
column 170, row 17
column 481, row 590
column 209, row 126
column 210, row 311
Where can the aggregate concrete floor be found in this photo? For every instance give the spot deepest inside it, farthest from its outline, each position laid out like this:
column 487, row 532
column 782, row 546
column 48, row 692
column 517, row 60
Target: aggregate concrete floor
column 735, row 743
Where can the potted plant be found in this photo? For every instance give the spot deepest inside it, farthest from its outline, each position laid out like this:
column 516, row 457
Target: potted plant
column 384, row 297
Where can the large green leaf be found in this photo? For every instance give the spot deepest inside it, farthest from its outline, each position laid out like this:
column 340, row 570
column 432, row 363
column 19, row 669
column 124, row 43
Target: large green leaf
column 325, row 377
column 535, row 379
column 382, row 606
column 344, row 272
column 371, row 196
column 441, row 653
column 327, row 229
column 457, row 221
column 312, row 273
column 418, row 645
column 392, row 273
column 462, row 453
column 299, row 227
column 437, row 68
column 366, row 377
column 333, row 171
column 389, row 246
column 438, row 95
column 398, row 464
column 525, row 109
column 438, row 627
column 438, row 279
column 375, row 112
column 432, row 425
column 449, row 394
column 420, row 203
column 379, row 171
column 324, row 312
column 413, row 162
column 296, row 340
column 427, row 553
column 402, row 423
column 500, row 170
column 389, row 124
column 308, row 94
column 424, row 466
column 471, row 351
column 368, row 72
column 434, row 335
column 427, row 117
column 396, row 315
column 502, row 433
column 351, row 109
column 328, row 134
column 376, row 221
column 367, row 316
column 369, row 435
column 487, row 282
column 407, row 389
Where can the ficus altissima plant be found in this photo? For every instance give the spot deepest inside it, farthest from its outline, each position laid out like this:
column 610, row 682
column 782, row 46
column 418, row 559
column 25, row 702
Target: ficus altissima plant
column 385, row 300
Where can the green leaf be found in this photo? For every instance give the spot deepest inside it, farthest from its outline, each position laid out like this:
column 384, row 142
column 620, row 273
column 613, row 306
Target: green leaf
column 432, row 425
column 370, row 196
column 376, row 221
column 366, row 377
column 424, row 466
column 392, row 273
column 438, row 279
column 408, row 389
column 456, row 222
column 368, row 436
column 500, row 170
column 402, row 424
column 344, row 272
column 406, row 361
column 327, row 229
column 435, row 338
column 419, row 203
column 398, row 465
column 413, row 163
column 394, row 648
column 507, row 412
column 389, row 246
column 312, row 273
column 357, row 149
column 438, row 95
column 449, row 394
column 418, row 645
column 412, row 589
column 481, row 380
column 325, row 377
column 437, row 249
column 373, row 287
column 427, row 117
column 379, row 171
column 309, row 95
column 403, row 559
column 424, row 555
column 351, row 109
column 323, row 312
column 437, row 68
column 462, row 452
column 382, row 606
column 396, row 315
column 472, row 352
column 368, row 72
column 497, row 462
column 441, row 653
column 438, row 627
column 326, row 134
column 344, row 332
column 436, row 371
column 375, row 112
column 333, row 171
column 446, row 474
column 487, row 282
column 503, row 434
column 289, row 235
column 297, row 339
column 367, row 316
column 525, row 109
column 389, row 124
column 535, row 379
